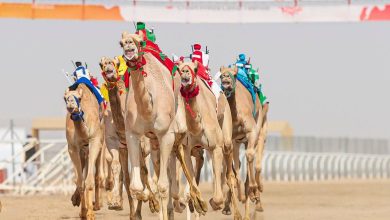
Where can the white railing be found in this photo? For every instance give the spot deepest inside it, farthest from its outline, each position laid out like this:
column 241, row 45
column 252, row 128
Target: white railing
column 49, row 170
column 54, row 171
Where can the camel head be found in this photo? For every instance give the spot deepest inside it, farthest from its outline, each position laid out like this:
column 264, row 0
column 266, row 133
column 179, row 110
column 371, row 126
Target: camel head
column 187, row 72
column 228, row 80
column 72, row 100
column 109, row 69
column 131, row 45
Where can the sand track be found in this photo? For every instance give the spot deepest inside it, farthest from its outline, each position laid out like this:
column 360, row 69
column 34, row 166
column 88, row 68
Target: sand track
column 369, row 200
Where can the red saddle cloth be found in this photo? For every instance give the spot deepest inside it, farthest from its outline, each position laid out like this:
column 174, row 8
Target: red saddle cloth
column 154, row 49
column 203, row 74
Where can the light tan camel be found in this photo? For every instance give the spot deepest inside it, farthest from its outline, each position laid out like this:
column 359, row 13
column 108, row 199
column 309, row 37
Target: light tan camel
column 209, row 128
column 153, row 110
column 117, row 96
column 248, row 128
column 85, row 136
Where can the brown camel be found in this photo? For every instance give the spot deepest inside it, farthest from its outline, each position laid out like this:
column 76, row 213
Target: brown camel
column 114, row 174
column 209, row 128
column 85, row 137
column 248, row 128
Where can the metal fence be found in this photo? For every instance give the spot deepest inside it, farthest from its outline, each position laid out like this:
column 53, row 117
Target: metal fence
column 297, row 159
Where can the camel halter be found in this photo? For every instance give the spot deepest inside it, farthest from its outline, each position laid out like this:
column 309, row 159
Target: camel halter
column 111, row 85
column 191, row 92
column 138, row 65
column 77, row 116
column 229, row 93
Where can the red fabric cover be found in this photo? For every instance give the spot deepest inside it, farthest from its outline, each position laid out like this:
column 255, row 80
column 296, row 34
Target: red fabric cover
column 202, row 73
column 155, row 51
column 94, row 82
column 197, row 53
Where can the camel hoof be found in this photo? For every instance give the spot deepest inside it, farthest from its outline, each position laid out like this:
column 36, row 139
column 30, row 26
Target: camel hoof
column 115, row 206
column 226, row 211
column 246, row 218
column 214, row 205
column 252, row 193
column 154, row 205
column 259, row 207
column 90, row 215
column 76, row 198
column 191, row 206
column 96, row 206
column 83, row 213
column 199, row 204
column 171, row 214
column 237, row 217
column 138, row 216
column 179, row 206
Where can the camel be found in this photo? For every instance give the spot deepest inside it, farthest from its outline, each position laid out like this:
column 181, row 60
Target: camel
column 114, row 172
column 209, row 128
column 248, row 128
column 155, row 110
column 117, row 95
column 85, row 137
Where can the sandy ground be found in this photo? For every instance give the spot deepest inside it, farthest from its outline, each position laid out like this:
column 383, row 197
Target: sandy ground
column 369, row 200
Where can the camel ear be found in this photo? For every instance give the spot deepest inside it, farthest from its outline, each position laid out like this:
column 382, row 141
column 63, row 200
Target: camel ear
column 116, row 62
column 124, row 34
column 101, row 62
column 136, row 37
column 221, row 69
column 235, row 70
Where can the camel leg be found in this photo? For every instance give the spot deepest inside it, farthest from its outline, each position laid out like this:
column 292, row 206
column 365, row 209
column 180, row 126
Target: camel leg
column 237, row 165
column 258, row 166
column 117, row 176
column 100, row 176
column 199, row 163
column 247, row 200
column 230, row 177
column 124, row 161
column 148, row 194
column 186, row 164
column 76, row 160
column 217, row 157
column 95, row 147
column 98, row 192
column 166, row 144
column 134, row 152
column 250, row 156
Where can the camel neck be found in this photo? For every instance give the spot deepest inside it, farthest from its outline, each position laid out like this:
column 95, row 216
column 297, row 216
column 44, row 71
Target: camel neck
column 141, row 94
column 233, row 105
column 81, row 128
column 193, row 116
column 117, row 113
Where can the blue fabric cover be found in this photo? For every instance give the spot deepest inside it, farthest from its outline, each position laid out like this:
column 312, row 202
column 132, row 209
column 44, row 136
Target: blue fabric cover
column 89, row 84
column 242, row 77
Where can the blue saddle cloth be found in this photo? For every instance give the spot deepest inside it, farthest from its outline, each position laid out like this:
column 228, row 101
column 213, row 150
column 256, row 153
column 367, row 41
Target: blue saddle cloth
column 245, row 81
column 88, row 83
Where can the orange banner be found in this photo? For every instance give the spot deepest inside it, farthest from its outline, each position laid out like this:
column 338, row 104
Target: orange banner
column 73, row 12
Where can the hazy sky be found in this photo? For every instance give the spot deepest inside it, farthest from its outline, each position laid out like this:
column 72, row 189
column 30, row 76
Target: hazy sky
column 325, row 79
